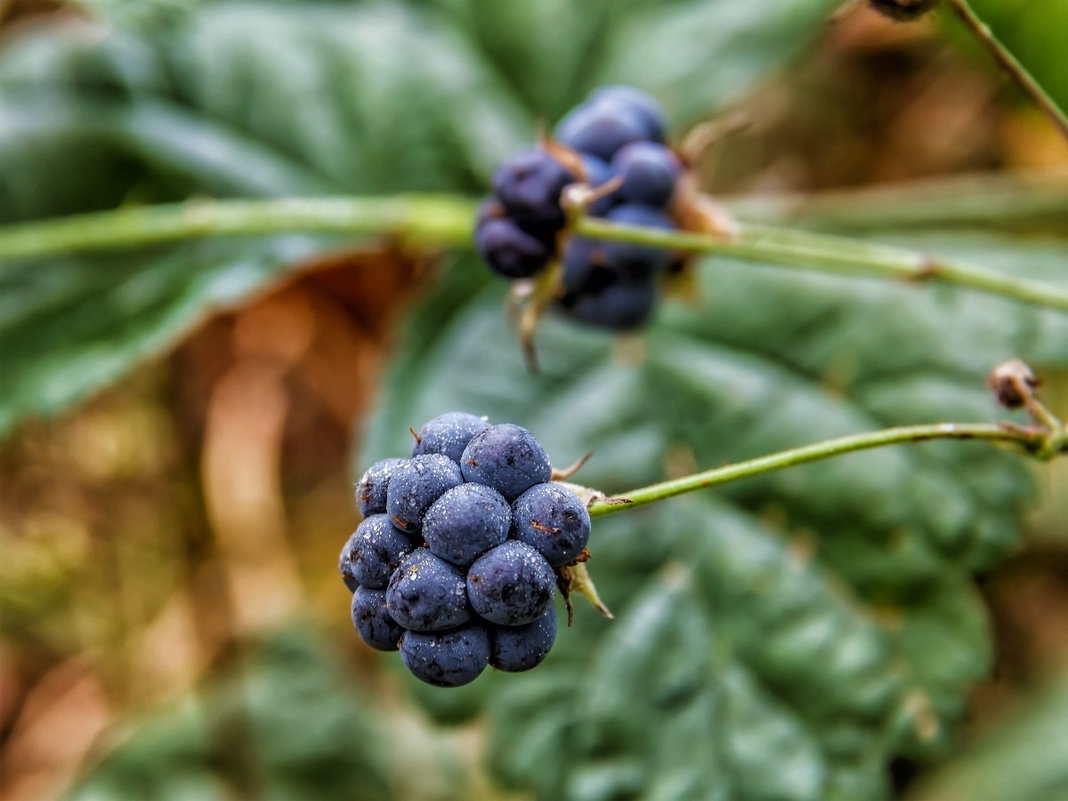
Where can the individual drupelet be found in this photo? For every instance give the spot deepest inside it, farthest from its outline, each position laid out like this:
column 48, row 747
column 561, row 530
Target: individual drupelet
column 426, row 593
column 446, row 658
column 372, row 620
column 649, row 173
column 378, row 548
column 553, row 520
column 511, row 584
column 448, row 434
column 465, row 522
column 634, row 262
column 642, row 104
column 528, row 185
column 415, row 485
column 601, row 126
column 509, row 250
column 373, row 484
column 345, row 566
column 614, row 304
column 518, row 648
column 507, row 458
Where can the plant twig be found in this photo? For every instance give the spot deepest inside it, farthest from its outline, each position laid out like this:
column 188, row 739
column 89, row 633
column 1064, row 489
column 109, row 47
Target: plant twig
column 446, row 221
column 437, row 220
column 831, row 254
column 1008, row 62
column 1033, row 440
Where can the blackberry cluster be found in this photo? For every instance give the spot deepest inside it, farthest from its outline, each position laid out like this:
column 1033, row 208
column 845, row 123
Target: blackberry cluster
column 454, row 562
column 614, row 140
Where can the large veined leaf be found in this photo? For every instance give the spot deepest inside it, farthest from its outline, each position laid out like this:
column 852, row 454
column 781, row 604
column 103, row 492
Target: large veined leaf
column 253, row 99
column 784, row 637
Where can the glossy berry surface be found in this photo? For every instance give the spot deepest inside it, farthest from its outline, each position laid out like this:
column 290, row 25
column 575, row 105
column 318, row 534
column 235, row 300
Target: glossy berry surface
column 511, row 584
column 642, row 104
column 345, row 566
column 415, row 485
column 373, row 484
column 509, row 250
column 465, row 522
column 528, row 186
column 637, row 261
column 518, row 648
column 601, row 127
column 649, row 173
column 378, row 548
column 426, row 593
column 553, row 520
column 447, row 658
column 372, row 620
column 613, row 304
column 448, row 434
column 507, row 458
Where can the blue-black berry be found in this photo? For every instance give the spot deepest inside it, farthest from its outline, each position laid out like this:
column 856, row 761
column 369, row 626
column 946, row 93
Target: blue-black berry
column 446, row 658
column 553, row 520
column 448, row 434
column 466, row 522
column 426, row 593
column 517, row 648
column 457, row 570
column 373, row 621
column 346, row 567
column 528, row 186
column 415, row 485
column 507, row 458
column 511, row 584
column 378, row 548
column 372, row 486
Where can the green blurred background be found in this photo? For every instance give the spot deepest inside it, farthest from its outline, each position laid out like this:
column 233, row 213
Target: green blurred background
column 182, row 424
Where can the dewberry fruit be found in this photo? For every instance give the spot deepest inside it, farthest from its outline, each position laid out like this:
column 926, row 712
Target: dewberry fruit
column 426, row 593
column 511, row 584
column 446, row 658
column 518, row 648
column 372, row 486
column 372, row 620
column 553, row 520
column 415, row 485
column 378, row 548
column 448, row 434
column 507, row 458
column 465, row 522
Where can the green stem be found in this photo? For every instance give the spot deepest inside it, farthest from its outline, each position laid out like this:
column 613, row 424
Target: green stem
column 444, row 220
column 437, row 220
column 1008, row 62
column 1033, row 440
column 824, row 253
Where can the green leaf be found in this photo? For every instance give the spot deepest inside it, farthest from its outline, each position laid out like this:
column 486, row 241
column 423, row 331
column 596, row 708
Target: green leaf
column 827, row 613
column 251, row 99
column 1024, row 758
column 58, row 348
column 287, row 726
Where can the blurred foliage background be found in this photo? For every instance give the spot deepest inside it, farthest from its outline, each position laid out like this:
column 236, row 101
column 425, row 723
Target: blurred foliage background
column 182, row 424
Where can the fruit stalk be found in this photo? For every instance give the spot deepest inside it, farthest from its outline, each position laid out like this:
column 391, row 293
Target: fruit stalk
column 1034, row 440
